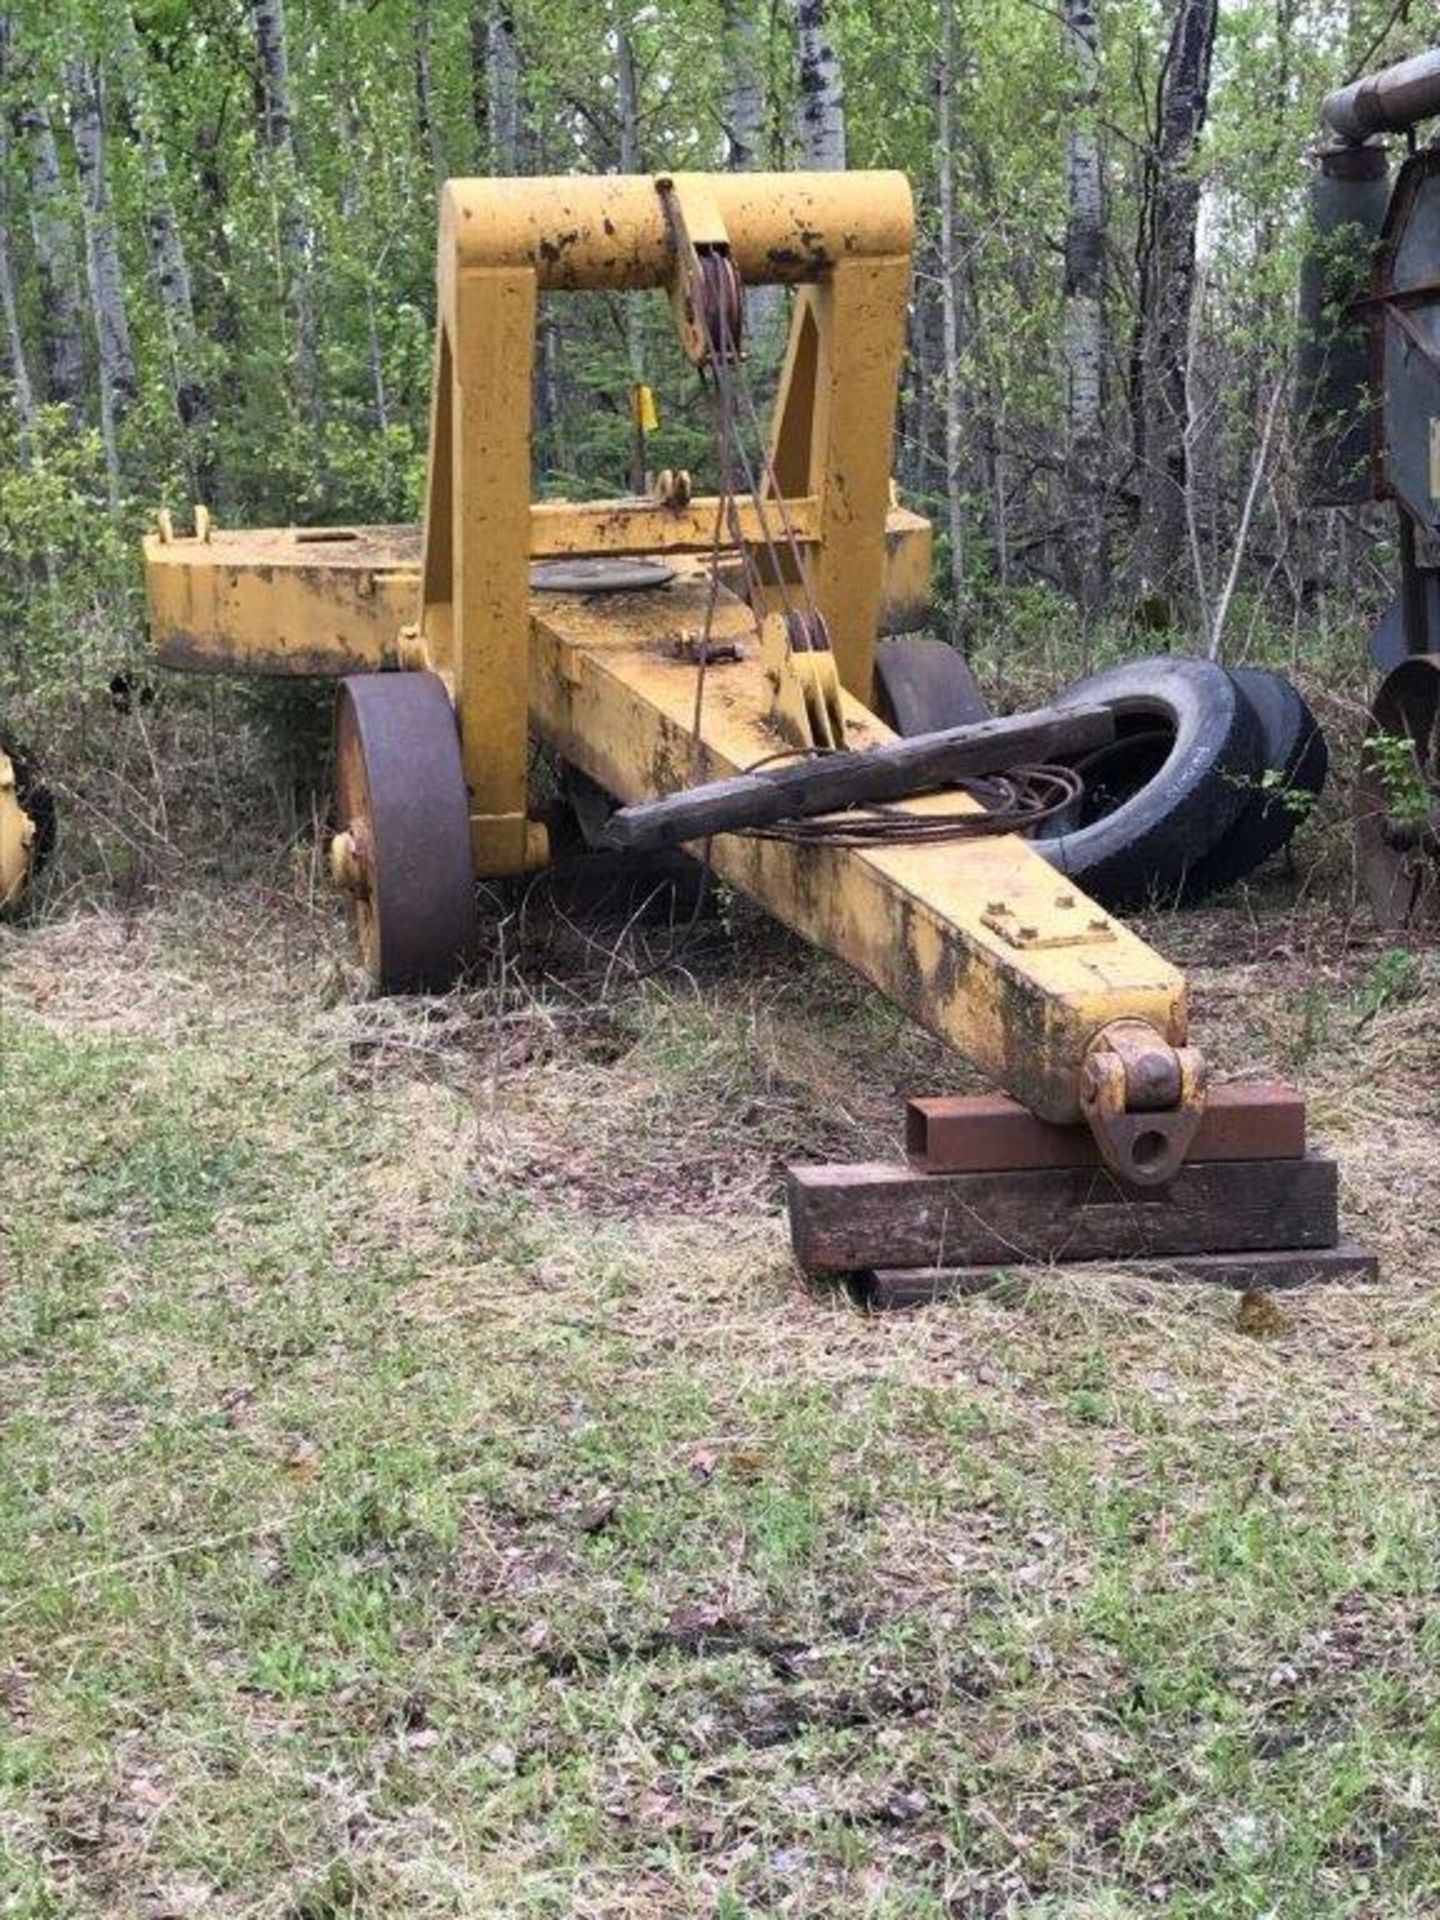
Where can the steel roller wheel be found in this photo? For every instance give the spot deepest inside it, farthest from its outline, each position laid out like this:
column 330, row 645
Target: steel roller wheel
column 1397, row 796
column 402, row 843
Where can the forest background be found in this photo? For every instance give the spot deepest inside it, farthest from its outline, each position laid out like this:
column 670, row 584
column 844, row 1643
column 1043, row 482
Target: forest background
column 216, row 261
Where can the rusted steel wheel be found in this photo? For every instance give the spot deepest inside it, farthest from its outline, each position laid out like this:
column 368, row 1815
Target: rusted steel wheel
column 402, row 843
column 1397, row 796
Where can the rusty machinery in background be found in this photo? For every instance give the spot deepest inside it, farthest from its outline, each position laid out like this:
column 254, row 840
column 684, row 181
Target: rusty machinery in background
column 709, row 665
column 1368, row 403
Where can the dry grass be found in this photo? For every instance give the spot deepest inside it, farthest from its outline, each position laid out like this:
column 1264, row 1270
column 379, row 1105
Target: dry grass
column 428, row 1490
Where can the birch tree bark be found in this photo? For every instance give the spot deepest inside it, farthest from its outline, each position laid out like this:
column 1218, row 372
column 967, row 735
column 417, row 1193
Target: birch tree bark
column 22, row 389
column 1171, row 213
column 950, row 311
column 430, row 134
column 118, row 384
column 62, row 336
column 277, row 134
column 503, row 77
column 1085, row 312
column 17, row 369
column 744, row 107
column 821, row 126
column 631, row 161
column 167, row 246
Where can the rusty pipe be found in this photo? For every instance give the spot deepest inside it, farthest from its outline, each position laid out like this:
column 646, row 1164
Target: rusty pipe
column 1386, row 102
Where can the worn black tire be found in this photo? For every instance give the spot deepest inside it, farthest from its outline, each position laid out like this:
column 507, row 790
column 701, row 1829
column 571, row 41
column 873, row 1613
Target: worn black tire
column 1137, row 843
column 1294, row 763
column 924, row 686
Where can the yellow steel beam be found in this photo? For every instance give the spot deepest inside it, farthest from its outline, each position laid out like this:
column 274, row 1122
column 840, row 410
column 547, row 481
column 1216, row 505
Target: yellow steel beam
column 609, row 231
column 981, row 941
column 834, row 423
column 333, row 600
column 277, row 600
column 642, row 526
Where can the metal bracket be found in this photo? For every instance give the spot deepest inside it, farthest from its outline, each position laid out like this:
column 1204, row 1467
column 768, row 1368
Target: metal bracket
column 1143, row 1100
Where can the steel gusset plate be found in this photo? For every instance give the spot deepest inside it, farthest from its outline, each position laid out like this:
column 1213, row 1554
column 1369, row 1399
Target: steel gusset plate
column 400, row 794
column 1397, row 797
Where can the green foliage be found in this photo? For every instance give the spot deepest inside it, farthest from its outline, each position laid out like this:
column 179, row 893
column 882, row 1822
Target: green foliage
column 285, row 422
column 1395, row 978
column 1409, row 796
column 67, row 565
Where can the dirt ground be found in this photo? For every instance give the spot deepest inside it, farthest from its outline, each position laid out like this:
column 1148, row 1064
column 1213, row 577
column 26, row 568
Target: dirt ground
column 427, row 1488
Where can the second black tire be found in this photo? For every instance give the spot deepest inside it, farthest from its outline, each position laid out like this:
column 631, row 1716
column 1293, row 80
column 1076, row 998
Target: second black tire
column 1294, row 764
column 1188, row 753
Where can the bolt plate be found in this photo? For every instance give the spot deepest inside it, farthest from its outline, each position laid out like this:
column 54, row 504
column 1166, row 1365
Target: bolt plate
column 1055, row 925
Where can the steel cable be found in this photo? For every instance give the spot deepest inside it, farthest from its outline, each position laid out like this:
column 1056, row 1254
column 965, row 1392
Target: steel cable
column 1015, row 801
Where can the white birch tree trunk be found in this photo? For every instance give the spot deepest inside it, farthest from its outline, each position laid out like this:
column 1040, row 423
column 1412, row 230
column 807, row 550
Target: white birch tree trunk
column 821, row 120
column 277, row 133
column 744, row 111
column 1084, row 337
column 22, row 391
column 118, row 384
column 166, row 243
column 744, row 106
column 22, row 388
column 62, row 333
column 502, row 72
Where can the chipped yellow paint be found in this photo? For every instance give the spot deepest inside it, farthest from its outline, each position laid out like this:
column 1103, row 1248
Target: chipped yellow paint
column 332, row 600
column 981, row 941
column 611, row 691
column 17, row 838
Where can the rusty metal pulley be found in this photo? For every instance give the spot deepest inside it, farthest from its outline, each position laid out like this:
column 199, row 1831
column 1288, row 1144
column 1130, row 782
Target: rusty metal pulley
column 401, row 850
column 723, row 303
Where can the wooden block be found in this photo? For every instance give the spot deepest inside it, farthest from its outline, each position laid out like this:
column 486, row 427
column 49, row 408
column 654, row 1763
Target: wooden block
column 1259, row 1120
column 918, row 764
column 845, row 1218
column 886, row 1289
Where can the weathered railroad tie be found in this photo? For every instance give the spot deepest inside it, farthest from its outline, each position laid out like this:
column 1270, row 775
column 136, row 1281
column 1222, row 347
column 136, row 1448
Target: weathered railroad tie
column 988, row 1190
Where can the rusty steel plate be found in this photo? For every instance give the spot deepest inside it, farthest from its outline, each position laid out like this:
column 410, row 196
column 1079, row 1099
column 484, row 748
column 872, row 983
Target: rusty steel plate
column 988, row 1133
column 600, row 576
column 924, row 685
column 1397, row 796
column 400, row 794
